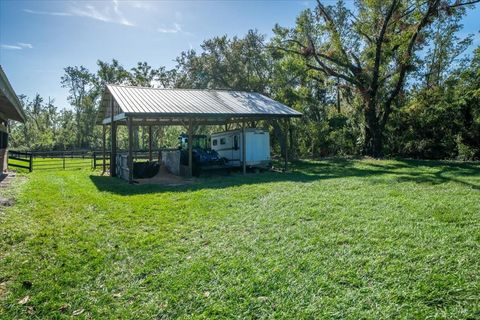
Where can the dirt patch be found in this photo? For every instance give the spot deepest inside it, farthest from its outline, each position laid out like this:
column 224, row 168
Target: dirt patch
column 6, row 178
column 3, row 289
column 166, row 178
column 5, row 181
column 5, row 202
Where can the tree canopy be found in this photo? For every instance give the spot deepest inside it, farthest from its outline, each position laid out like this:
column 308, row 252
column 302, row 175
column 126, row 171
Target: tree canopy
column 378, row 78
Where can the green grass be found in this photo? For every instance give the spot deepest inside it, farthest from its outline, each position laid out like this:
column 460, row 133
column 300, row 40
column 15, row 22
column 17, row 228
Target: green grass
column 334, row 239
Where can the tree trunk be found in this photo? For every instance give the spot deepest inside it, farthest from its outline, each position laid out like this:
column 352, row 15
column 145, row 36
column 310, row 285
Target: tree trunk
column 373, row 134
column 278, row 133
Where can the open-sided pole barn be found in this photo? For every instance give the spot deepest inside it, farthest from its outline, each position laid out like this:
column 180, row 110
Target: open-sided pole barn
column 139, row 106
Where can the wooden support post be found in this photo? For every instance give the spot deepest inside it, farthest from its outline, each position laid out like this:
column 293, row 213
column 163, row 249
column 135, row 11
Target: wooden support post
column 190, row 147
column 104, row 137
column 130, row 150
column 285, row 136
column 113, row 151
column 113, row 147
column 150, row 139
column 160, row 142
column 244, row 149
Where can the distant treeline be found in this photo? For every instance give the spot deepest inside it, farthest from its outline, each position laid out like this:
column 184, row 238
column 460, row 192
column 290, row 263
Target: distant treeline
column 388, row 78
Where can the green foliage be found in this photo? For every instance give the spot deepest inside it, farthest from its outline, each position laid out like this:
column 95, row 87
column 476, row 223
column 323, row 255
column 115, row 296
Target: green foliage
column 372, row 49
column 333, row 239
column 41, row 130
column 441, row 121
column 408, row 90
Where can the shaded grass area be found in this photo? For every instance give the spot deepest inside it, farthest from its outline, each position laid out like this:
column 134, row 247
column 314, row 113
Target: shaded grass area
column 332, row 239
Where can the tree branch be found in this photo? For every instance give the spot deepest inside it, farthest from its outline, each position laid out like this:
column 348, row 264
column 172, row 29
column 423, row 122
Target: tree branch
column 316, row 55
column 330, row 72
column 326, row 16
column 378, row 49
column 459, row 4
column 432, row 8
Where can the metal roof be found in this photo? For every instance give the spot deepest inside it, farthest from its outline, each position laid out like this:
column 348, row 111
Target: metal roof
column 10, row 105
column 188, row 103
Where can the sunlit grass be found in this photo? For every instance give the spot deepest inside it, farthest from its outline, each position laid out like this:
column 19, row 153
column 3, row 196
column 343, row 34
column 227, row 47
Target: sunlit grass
column 333, row 239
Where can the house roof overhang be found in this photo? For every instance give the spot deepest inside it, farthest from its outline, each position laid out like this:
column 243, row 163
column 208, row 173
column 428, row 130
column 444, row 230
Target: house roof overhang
column 10, row 106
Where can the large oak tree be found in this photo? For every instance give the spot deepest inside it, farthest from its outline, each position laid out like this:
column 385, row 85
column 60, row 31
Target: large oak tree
column 371, row 48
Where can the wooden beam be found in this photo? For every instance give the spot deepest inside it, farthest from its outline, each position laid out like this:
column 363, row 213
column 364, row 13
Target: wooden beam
column 130, row 151
column 113, row 136
column 150, row 139
column 104, row 138
column 168, row 121
column 244, row 149
column 285, row 136
column 160, row 143
column 190, row 148
column 118, row 117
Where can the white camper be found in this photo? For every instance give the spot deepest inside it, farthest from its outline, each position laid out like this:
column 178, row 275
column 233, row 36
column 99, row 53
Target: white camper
column 228, row 144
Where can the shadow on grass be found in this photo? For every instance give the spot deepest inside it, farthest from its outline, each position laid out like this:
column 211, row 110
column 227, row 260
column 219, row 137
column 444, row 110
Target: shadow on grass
column 418, row 171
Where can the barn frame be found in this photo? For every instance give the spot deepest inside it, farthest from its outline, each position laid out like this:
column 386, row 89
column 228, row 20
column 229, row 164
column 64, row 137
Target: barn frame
column 140, row 106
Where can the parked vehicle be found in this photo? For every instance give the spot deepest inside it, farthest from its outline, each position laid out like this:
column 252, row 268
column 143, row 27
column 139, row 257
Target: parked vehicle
column 228, row 144
column 203, row 157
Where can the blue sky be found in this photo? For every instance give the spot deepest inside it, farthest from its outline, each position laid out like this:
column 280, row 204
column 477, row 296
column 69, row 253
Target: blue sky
column 39, row 38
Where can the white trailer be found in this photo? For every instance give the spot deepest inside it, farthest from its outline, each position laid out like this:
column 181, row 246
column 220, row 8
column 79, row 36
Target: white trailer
column 228, row 144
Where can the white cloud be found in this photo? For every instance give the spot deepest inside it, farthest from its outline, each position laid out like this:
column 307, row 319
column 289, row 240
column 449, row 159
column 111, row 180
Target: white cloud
column 139, row 4
column 17, row 46
column 50, row 13
column 25, row 45
column 110, row 13
column 120, row 14
column 176, row 29
column 11, row 47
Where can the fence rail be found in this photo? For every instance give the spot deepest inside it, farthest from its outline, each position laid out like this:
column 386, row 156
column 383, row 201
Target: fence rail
column 72, row 159
column 19, row 159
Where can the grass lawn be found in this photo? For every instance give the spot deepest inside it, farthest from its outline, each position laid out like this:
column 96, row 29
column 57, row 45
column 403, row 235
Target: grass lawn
column 333, row 239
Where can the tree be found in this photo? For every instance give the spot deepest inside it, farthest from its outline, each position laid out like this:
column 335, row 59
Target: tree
column 235, row 64
column 469, row 102
column 372, row 49
column 108, row 73
column 443, row 54
column 143, row 75
column 81, row 87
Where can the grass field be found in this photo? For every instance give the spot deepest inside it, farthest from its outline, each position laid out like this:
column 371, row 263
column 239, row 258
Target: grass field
column 334, row 239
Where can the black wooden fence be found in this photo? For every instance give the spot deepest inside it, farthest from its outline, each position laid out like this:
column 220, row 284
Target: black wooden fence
column 77, row 159
column 50, row 160
column 20, row 159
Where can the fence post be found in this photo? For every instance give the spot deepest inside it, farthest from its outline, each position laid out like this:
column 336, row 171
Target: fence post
column 94, row 160
column 30, row 167
column 63, row 158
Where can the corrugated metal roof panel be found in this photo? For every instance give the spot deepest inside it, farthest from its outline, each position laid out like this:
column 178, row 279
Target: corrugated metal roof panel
column 144, row 101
